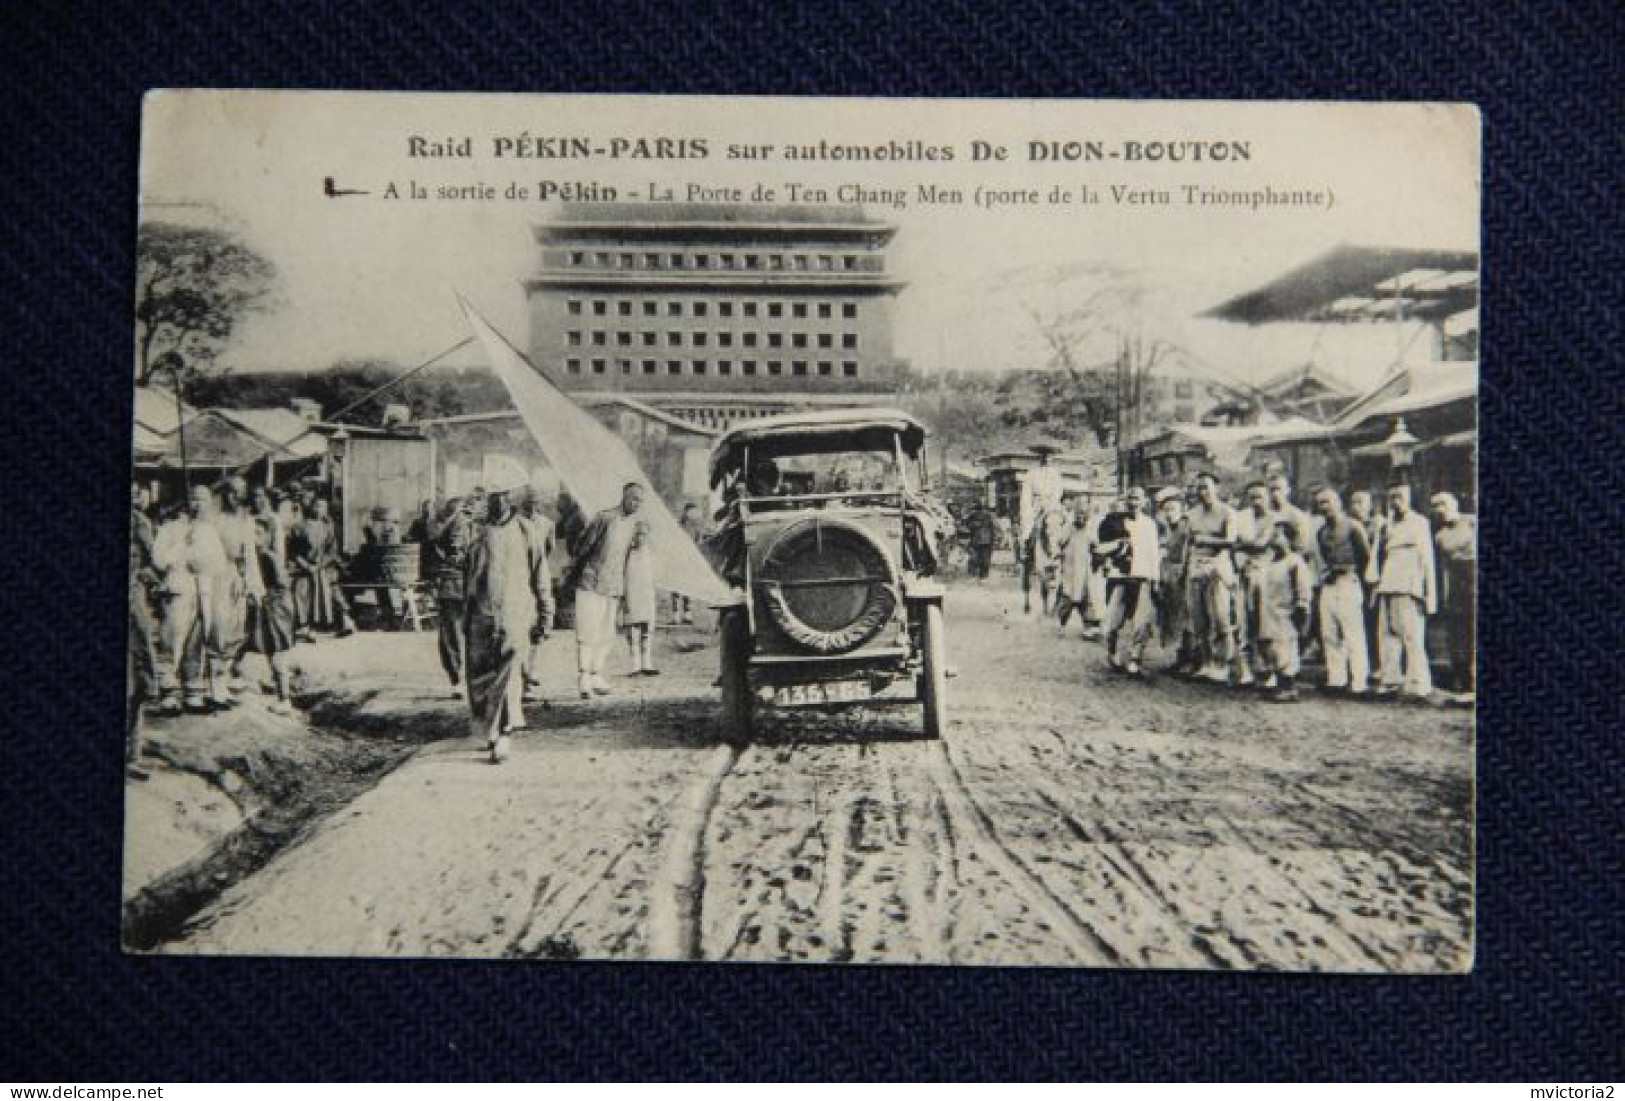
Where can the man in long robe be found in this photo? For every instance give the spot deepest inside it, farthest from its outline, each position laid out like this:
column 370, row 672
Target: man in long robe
column 499, row 613
column 452, row 542
column 537, row 528
column 313, row 563
column 191, row 560
column 141, row 672
column 1456, row 539
column 1402, row 569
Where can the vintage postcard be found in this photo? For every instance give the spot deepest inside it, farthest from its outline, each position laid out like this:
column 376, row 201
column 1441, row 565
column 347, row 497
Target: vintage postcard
column 839, row 531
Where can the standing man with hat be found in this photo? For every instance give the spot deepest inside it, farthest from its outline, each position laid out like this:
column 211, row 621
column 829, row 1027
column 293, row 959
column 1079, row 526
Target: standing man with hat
column 537, row 528
column 1407, row 592
column 452, row 543
column 499, row 614
column 599, row 576
column 1457, row 540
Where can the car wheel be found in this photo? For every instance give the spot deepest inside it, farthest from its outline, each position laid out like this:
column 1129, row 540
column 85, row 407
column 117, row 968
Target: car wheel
column 933, row 681
column 738, row 706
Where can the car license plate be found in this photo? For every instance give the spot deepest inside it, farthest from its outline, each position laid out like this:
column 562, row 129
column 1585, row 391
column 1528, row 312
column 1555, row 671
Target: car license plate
column 838, row 691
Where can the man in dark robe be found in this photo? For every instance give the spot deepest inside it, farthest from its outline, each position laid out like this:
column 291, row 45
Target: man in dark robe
column 499, row 614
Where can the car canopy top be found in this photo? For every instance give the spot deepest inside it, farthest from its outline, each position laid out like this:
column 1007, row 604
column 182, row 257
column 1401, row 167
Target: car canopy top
column 831, row 430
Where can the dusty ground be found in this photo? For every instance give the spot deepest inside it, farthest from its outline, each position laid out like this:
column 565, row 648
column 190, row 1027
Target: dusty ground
column 1069, row 817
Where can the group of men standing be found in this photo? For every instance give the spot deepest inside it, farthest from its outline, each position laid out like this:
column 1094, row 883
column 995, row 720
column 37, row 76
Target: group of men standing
column 1239, row 592
column 231, row 574
column 496, row 601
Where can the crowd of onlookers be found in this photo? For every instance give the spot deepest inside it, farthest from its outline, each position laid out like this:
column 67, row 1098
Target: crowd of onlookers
column 1247, row 589
column 227, row 575
column 1244, row 590
column 233, row 575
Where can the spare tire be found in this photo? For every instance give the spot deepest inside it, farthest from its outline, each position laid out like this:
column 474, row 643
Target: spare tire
column 827, row 585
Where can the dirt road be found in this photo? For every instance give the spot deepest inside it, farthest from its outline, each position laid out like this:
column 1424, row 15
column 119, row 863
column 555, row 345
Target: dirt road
column 1068, row 817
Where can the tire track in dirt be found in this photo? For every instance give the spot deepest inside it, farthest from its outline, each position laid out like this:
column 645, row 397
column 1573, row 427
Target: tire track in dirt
column 1131, row 875
column 677, row 894
column 1086, row 946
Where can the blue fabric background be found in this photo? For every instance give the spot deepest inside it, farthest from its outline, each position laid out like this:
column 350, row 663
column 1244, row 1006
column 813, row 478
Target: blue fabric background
column 1547, row 1001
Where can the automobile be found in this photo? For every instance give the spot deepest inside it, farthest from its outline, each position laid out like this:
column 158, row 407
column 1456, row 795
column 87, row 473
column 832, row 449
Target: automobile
column 830, row 539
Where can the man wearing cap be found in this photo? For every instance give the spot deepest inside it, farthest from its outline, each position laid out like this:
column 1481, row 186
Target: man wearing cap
column 1457, row 541
column 982, row 532
column 537, row 527
column 599, row 575
column 1281, row 588
column 1255, row 535
column 1407, row 593
column 1132, row 569
column 1374, row 523
column 499, row 614
column 1345, row 554
column 452, row 542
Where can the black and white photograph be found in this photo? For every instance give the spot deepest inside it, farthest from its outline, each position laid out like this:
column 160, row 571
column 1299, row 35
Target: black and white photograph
column 840, row 531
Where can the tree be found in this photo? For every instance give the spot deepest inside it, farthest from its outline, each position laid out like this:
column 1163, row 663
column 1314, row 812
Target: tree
column 193, row 287
column 1110, row 397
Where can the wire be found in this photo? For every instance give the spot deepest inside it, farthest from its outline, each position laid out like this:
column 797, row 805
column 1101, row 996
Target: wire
column 359, row 402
